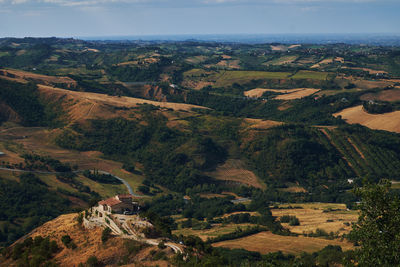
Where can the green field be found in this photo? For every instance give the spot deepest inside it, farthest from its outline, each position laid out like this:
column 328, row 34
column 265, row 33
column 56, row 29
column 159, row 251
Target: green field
column 282, row 60
column 228, row 78
column 133, row 179
column 314, row 75
column 194, row 73
column 104, row 190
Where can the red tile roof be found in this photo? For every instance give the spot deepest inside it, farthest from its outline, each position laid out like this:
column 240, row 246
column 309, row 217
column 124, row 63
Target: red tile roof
column 110, row 202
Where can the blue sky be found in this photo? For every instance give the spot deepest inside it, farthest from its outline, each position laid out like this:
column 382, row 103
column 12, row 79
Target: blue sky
column 71, row 18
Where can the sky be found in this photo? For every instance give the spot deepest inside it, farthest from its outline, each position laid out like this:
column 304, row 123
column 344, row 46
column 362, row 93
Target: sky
column 77, row 18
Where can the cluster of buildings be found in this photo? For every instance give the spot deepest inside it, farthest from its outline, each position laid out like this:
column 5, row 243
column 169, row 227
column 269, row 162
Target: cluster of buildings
column 120, row 204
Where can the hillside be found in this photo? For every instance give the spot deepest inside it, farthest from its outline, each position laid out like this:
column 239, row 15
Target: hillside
column 226, row 148
column 356, row 115
column 114, row 252
column 82, row 106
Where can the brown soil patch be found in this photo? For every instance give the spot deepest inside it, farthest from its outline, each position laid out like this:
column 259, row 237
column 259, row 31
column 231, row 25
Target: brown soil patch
column 8, row 113
column 136, row 62
column 339, row 59
column 322, row 62
column 278, row 48
column 132, row 62
column 294, row 189
column 88, row 243
column 294, row 46
column 235, row 171
column 92, row 50
column 29, row 76
column 84, row 105
column 231, row 64
column 356, row 148
column 258, row 92
column 39, row 140
column 288, row 94
column 386, row 95
column 231, row 194
column 286, row 105
column 252, row 213
column 267, row 242
column 370, row 71
column 196, row 85
column 312, row 218
column 259, row 124
column 328, row 61
column 92, row 154
column 366, row 84
column 226, row 57
column 211, row 195
column 388, row 121
column 298, row 94
column 393, row 80
column 216, row 230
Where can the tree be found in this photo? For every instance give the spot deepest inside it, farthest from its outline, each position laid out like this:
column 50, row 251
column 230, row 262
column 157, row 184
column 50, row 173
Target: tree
column 92, row 261
column 106, row 234
column 377, row 230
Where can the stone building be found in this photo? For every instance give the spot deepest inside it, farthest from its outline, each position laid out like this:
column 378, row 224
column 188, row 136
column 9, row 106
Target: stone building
column 122, row 204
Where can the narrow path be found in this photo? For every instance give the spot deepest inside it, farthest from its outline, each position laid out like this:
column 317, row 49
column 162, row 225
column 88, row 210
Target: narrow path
column 356, row 148
column 127, row 185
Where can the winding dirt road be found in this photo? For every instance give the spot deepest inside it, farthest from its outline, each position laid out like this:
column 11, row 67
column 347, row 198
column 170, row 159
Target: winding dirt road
column 130, row 190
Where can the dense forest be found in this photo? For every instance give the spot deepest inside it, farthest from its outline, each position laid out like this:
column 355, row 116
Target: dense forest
column 171, row 158
column 25, row 100
column 25, row 205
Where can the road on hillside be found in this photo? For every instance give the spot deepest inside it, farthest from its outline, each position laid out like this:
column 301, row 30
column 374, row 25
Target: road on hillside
column 130, row 190
column 128, row 186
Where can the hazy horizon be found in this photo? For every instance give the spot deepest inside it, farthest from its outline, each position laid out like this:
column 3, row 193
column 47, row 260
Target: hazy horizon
column 91, row 18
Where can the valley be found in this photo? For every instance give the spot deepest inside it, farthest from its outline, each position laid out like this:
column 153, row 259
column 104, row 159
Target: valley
column 234, row 152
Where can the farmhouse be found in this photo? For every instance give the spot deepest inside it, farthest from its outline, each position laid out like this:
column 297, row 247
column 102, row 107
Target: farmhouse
column 119, row 204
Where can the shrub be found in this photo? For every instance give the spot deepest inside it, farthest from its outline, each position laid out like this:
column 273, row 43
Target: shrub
column 106, row 234
column 151, row 232
column 161, row 245
column 160, row 255
column 67, row 241
column 92, row 261
column 292, row 220
column 80, row 218
column 129, row 167
column 133, row 247
column 144, row 189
